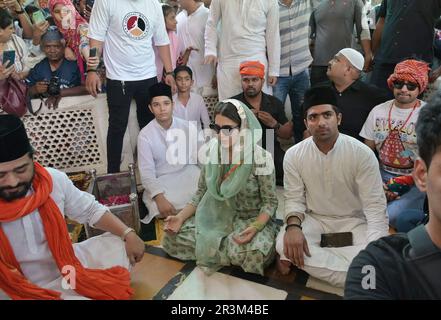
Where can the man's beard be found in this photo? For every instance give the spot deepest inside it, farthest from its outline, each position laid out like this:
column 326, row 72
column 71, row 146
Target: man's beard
column 18, row 194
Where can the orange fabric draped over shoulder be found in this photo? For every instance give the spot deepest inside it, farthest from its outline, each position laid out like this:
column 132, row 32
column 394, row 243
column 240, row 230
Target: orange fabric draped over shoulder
column 113, row 283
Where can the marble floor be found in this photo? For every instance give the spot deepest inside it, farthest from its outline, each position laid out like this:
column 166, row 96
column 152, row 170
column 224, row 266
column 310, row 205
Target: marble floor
column 161, row 277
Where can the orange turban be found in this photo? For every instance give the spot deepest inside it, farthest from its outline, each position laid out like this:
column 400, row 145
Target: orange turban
column 411, row 71
column 252, row 68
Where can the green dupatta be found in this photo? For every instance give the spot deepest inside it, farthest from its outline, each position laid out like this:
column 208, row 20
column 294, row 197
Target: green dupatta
column 216, row 210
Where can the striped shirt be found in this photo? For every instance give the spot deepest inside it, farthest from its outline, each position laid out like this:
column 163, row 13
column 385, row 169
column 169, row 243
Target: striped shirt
column 294, row 30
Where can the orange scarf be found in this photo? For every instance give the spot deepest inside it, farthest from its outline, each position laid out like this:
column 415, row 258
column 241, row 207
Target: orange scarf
column 113, row 283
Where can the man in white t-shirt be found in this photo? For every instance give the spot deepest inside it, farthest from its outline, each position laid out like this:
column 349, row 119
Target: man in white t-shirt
column 390, row 129
column 191, row 28
column 123, row 31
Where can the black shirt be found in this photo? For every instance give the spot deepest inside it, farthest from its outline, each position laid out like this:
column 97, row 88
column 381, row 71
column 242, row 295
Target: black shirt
column 400, row 268
column 274, row 107
column 355, row 104
column 408, row 30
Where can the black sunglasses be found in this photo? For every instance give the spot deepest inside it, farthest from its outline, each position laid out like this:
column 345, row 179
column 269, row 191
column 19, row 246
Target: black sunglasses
column 227, row 130
column 410, row 85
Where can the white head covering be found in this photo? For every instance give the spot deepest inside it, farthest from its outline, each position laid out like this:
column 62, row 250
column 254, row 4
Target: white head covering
column 354, row 57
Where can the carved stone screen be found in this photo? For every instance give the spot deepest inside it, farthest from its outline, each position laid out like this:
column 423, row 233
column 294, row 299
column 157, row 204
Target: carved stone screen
column 66, row 139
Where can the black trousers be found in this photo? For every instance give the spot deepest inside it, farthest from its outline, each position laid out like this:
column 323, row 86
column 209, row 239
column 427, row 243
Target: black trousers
column 119, row 97
column 318, row 75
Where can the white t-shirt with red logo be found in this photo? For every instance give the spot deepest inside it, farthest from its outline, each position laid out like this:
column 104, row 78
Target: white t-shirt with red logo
column 396, row 155
column 127, row 28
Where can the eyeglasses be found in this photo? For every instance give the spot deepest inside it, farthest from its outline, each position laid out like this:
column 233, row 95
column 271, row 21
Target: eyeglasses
column 226, row 130
column 410, row 85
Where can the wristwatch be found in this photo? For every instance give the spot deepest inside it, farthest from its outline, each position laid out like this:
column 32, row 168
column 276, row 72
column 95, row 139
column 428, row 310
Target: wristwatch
column 20, row 12
column 170, row 73
column 277, row 126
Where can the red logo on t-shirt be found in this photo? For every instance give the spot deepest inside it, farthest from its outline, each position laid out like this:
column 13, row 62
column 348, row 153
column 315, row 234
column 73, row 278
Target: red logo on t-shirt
column 136, row 25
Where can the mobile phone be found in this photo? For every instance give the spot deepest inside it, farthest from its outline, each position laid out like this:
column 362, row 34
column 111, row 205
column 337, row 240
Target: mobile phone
column 38, row 17
column 92, row 52
column 336, row 240
column 9, row 55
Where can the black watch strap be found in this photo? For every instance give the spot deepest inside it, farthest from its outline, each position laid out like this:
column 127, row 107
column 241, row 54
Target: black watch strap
column 293, row 225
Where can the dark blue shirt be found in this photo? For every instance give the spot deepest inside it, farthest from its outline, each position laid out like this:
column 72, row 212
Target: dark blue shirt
column 408, row 30
column 68, row 74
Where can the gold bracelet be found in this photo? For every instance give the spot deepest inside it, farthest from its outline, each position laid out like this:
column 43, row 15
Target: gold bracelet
column 258, row 225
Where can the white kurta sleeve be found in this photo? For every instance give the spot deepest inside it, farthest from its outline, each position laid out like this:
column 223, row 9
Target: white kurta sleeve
column 147, row 168
column 205, row 118
column 272, row 36
column 294, row 188
column 79, row 206
column 370, row 190
column 99, row 20
column 214, row 16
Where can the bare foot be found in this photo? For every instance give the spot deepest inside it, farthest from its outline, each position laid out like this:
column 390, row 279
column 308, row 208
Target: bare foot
column 283, row 266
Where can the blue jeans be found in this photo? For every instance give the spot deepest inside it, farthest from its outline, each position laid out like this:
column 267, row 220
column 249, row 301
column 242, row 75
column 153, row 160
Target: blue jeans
column 294, row 86
column 413, row 199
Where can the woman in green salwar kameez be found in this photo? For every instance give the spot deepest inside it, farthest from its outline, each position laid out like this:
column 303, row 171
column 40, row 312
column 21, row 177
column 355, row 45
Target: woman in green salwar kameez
column 230, row 219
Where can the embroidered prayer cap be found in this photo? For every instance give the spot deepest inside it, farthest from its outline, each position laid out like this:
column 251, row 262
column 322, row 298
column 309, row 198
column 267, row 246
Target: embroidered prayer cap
column 411, row 70
column 52, row 34
column 14, row 141
column 160, row 89
column 252, row 68
column 319, row 95
column 354, row 57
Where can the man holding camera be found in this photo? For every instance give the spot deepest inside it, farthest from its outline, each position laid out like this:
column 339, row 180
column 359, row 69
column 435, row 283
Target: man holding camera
column 55, row 77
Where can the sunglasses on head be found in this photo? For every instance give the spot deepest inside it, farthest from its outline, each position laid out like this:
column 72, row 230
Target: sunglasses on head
column 410, row 85
column 227, row 130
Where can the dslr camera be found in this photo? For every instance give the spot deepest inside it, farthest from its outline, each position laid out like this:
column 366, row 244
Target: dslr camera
column 53, row 88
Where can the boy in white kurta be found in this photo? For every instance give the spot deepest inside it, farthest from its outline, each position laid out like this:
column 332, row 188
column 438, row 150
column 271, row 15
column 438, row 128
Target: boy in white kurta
column 33, row 235
column 167, row 157
column 249, row 30
column 332, row 185
column 189, row 105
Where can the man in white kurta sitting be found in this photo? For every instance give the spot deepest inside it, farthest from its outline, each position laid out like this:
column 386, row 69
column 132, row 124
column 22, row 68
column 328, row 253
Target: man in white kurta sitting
column 332, row 185
column 167, row 157
column 37, row 258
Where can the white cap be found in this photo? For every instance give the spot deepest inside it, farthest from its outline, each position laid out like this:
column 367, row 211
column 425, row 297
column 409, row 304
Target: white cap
column 354, row 57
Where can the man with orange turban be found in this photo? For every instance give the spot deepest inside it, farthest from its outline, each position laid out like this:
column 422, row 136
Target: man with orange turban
column 390, row 129
column 37, row 258
column 238, row 31
column 268, row 109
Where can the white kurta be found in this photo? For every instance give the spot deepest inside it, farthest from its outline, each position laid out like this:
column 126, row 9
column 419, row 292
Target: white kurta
column 195, row 110
column 191, row 29
column 249, row 30
column 167, row 162
column 28, row 240
column 341, row 191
